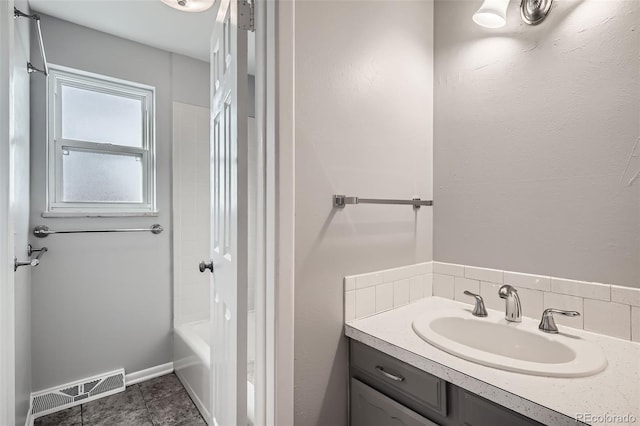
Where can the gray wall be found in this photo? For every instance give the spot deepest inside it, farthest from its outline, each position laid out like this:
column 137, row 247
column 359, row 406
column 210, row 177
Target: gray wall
column 534, row 127
column 363, row 126
column 103, row 301
column 20, row 212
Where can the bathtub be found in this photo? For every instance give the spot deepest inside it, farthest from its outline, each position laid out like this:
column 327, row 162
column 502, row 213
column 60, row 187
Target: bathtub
column 192, row 364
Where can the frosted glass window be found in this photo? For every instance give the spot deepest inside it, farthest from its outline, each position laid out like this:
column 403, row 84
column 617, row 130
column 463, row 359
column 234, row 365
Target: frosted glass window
column 93, row 116
column 96, row 177
column 101, row 138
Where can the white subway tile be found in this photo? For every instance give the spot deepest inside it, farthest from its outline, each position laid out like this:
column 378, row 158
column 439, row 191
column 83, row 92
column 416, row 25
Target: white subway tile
column 464, row 284
column 349, row 283
column 416, row 288
column 534, row 282
column 384, row 297
column 401, row 291
column 627, row 295
column 532, row 302
column 365, row 302
column 448, row 269
column 368, row 280
column 566, row 303
column 612, row 319
column 369, row 293
column 635, row 323
column 489, row 292
column 349, row 306
column 581, row 289
column 418, row 269
column 396, row 274
column 404, row 272
column 427, row 267
column 428, row 285
column 484, row 274
column 443, row 286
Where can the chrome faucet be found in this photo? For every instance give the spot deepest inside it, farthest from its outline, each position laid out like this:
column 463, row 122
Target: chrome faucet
column 548, row 324
column 513, row 311
column 479, row 310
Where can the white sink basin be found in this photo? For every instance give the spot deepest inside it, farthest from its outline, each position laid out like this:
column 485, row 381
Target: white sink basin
column 519, row 347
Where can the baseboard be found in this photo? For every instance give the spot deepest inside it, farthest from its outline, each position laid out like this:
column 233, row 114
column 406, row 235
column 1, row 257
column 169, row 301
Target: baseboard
column 148, row 373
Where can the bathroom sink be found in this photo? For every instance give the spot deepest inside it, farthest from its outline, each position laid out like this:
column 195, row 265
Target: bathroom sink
column 518, row 347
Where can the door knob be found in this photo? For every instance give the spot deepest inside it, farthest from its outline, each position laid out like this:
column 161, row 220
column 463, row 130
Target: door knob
column 206, row 265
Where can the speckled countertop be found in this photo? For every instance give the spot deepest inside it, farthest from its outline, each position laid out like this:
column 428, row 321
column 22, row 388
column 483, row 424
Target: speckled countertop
column 552, row 401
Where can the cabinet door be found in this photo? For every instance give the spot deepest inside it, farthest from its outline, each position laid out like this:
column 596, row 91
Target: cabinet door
column 371, row 408
column 477, row 411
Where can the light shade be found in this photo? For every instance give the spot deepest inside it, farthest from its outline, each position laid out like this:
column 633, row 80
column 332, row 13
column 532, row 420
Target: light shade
column 492, row 14
column 189, row 5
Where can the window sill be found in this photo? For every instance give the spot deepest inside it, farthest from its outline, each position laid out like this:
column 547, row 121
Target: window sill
column 99, row 214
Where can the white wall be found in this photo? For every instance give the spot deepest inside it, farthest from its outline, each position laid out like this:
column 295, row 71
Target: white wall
column 191, row 206
column 363, row 126
column 104, row 301
column 534, row 128
column 20, row 209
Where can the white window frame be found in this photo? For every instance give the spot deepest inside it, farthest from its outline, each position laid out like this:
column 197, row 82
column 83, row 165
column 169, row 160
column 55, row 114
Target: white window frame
column 63, row 76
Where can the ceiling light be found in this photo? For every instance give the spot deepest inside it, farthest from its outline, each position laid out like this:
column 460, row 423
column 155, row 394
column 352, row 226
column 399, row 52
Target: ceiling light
column 493, row 13
column 189, row 5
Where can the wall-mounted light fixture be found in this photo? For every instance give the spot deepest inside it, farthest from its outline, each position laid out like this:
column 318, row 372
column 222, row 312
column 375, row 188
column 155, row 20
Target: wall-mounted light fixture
column 189, row 5
column 493, row 13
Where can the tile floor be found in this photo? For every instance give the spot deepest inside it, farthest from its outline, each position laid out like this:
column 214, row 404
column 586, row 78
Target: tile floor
column 162, row 401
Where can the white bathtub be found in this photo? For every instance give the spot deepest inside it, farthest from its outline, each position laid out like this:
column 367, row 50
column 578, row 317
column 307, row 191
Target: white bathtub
column 192, row 364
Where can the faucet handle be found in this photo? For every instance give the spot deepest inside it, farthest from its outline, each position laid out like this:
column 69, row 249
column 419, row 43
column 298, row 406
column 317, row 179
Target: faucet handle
column 548, row 324
column 479, row 310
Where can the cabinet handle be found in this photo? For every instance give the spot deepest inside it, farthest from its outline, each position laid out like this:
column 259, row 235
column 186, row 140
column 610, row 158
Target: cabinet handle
column 389, row 375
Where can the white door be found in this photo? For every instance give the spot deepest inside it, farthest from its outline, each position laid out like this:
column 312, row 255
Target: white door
column 229, row 215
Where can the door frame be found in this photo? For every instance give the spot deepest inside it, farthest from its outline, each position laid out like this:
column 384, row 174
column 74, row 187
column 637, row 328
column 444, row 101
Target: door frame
column 280, row 136
column 7, row 296
column 275, row 119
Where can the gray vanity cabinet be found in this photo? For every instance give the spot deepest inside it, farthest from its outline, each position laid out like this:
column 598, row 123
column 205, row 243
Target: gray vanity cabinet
column 385, row 391
column 371, row 408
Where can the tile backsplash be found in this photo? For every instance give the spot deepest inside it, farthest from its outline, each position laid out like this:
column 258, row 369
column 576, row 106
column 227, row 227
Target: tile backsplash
column 606, row 309
column 379, row 291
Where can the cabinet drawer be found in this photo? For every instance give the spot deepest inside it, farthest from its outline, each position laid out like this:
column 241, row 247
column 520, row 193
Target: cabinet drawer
column 371, row 408
column 420, row 391
column 477, row 411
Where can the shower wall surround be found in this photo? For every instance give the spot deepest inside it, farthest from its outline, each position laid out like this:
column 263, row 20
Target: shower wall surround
column 191, row 201
column 606, row 309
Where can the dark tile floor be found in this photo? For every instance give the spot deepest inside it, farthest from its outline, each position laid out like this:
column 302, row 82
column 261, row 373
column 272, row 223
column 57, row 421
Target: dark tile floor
column 157, row 402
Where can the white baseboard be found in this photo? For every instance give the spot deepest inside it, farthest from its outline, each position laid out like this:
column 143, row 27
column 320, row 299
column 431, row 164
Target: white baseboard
column 148, row 373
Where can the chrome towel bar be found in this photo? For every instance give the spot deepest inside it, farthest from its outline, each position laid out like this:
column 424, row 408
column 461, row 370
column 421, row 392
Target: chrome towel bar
column 42, row 231
column 343, row 200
